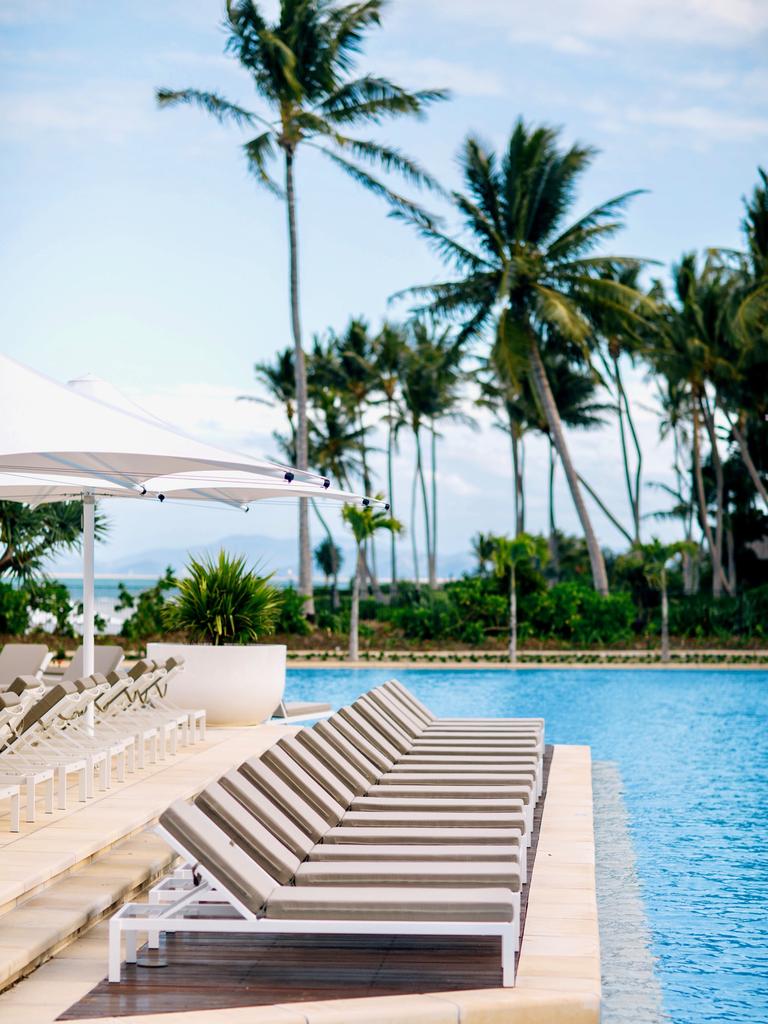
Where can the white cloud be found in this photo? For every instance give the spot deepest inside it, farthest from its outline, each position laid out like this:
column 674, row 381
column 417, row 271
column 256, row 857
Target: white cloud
column 111, row 111
column 434, row 72
column 589, row 22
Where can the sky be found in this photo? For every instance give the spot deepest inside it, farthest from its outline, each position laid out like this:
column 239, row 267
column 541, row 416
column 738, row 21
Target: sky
column 136, row 247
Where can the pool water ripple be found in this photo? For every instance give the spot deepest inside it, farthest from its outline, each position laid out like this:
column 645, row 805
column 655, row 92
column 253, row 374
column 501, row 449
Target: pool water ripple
column 692, row 751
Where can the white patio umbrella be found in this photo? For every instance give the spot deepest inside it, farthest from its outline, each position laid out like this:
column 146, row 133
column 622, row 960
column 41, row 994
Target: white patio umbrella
column 68, row 445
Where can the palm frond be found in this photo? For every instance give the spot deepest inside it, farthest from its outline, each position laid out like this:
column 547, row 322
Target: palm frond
column 389, row 159
column 378, row 188
column 372, row 98
column 259, row 152
column 211, row 102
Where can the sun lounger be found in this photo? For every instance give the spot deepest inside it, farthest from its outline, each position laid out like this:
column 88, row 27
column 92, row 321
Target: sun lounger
column 238, row 885
column 299, row 711
column 106, row 659
column 13, row 795
column 22, row 660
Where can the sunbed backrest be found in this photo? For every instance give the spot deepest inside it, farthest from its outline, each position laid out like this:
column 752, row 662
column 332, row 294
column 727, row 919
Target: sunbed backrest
column 248, row 833
column 373, row 714
column 351, row 732
column 285, row 796
column 47, row 703
column 302, row 782
column 213, row 850
column 106, row 658
column 334, row 761
column 372, row 734
column 397, row 712
column 366, row 768
column 23, row 683
column 407, row 698
column 268, row 813
column 22, row 660
column 334, row 786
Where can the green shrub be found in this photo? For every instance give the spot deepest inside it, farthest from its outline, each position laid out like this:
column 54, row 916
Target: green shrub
column 224, row 602
column 52, row 598
column 14, row 610
column 148, row 620
column 577, row 614
column 292, row 619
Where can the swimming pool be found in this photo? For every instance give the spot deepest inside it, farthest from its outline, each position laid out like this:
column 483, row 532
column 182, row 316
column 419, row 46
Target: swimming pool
column 692, row 749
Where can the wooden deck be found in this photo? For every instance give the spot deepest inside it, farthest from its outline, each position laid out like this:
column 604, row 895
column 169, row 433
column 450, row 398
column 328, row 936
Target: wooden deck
column 215, row 971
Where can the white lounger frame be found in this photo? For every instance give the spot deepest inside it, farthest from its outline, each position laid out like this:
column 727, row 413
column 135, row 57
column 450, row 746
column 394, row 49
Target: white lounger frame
column 156, row 919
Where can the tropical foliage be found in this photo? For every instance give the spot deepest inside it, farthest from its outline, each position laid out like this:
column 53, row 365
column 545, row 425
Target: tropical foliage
column 222, row 601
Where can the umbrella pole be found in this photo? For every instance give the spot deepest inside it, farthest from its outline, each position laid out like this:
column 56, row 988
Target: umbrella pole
column 89, row 527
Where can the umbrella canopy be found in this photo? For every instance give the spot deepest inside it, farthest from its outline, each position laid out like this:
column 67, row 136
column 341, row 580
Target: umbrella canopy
column 49, row 427
column 85, row 441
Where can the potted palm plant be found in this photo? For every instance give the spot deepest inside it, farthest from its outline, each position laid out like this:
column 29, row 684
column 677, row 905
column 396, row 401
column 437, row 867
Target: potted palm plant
column 224, row 607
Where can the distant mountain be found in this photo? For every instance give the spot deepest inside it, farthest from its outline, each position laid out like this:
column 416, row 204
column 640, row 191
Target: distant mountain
column 274, row 554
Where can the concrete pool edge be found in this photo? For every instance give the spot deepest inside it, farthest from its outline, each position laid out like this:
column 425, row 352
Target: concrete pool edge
column 558, row 980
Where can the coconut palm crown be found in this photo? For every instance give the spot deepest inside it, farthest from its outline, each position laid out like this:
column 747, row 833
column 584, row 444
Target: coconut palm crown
column 302, row 67
column 525, row 270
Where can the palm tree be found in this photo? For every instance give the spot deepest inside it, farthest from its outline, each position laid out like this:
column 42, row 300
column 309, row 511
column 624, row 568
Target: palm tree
column 689, row 352
column 329, row 559
column 279, row 381
column 621, row 326
column 525, row 270
column 388, row 347
column 364, row 522
column 482, row 549
column 302, row 67
column 508, row 555
column 656, row 558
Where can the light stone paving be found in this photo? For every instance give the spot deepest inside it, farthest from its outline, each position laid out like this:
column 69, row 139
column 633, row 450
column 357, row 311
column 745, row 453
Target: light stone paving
column 62, row 873
column 558, row 978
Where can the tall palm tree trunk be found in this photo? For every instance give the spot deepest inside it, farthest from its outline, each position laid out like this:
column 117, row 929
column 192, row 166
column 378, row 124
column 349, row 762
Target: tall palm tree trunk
column 717, row 465
column 354, row 614
column 718, row 576
column 414, row 543
column 516, row 470
column 633, row 487
column 391, row 496
column 433, row 482
column 329, row 535
column 748, row 461
column 302, row 436
column 425, row 504
column 664, row 617
column 512, row 613
column 554, row 553
column 544, row 391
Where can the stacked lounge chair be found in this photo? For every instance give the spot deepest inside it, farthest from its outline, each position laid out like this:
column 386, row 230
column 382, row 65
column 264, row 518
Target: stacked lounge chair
column 44, row 738
column 380, row 820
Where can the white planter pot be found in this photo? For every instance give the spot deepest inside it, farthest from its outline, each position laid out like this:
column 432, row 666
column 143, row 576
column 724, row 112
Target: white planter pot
column 239, row 685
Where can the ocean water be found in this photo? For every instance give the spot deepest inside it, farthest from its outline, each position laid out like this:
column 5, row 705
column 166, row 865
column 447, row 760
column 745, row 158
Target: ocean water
column 690, row 752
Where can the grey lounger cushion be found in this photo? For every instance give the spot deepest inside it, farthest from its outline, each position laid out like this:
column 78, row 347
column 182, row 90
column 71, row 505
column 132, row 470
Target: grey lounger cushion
column 416, row 851
column 385, row 904
column 487, row 874
column 364, row 834
column 447, row 791
column 416, row 805
column 438, row 819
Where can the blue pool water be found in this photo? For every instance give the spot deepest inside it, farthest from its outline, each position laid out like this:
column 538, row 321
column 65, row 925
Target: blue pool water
column 692, row 748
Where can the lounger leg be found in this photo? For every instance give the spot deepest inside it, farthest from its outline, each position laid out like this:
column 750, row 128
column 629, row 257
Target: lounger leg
column 174, row 740
column 15, row 811
column 202, row 726
column 516, row 902
column 130, row 946
column 61, row 785
column 83, row 776
column 30, row 790
column 48, row 798
column 153, row 748
column 90, row 769
column 121, row 765
column 508, row 957
column 114, row 950
column 105, row 773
